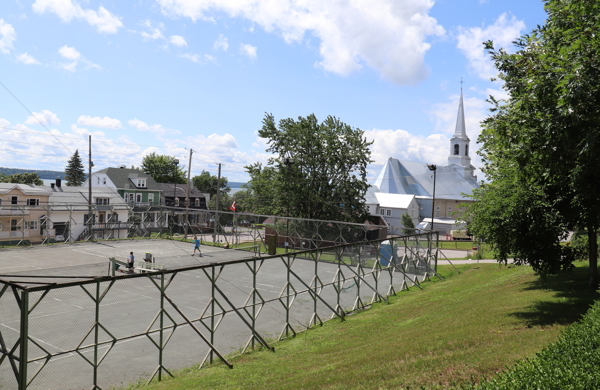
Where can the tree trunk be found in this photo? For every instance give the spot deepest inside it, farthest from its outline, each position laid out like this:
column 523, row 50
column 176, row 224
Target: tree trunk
column 593, row 258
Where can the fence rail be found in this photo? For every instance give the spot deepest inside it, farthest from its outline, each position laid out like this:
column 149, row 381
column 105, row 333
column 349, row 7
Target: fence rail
column 108, row 331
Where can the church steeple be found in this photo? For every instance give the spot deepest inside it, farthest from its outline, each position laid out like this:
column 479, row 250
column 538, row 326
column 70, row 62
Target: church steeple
column 459, row 143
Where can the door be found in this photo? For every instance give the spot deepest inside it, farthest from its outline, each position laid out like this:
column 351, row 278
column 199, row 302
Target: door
column 101, row 217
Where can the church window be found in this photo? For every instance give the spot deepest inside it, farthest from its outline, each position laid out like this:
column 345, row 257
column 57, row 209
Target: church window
column 449, row 211
column 456, row 152
column 466, row 150
column 437, row 211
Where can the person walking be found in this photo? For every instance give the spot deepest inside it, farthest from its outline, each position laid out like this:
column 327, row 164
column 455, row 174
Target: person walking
column 130, row 261
column 197, row 241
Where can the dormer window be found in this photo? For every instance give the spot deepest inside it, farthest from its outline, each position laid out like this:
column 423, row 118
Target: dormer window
column 456, row 150
column 197, row 202
column 141, row 183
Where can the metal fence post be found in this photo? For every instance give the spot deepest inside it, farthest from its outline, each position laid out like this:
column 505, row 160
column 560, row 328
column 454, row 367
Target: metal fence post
column 24, row 337
column 97, row 324
column 212, row 310
column 162, row 316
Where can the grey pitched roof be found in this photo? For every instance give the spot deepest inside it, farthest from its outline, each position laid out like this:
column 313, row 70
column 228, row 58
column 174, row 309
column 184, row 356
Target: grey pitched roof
column 122, row 178
column 407, row 177
column 25, row 188
column 180, row 191
column 78, row 196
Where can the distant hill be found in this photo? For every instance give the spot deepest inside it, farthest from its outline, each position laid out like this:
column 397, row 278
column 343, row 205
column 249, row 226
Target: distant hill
column 49, row 175
column 235, row 184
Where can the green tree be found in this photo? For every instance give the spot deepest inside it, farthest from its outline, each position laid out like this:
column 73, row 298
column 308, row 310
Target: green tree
column 163, row 169
column 326, row 176
column 407, row 222
column 206, row 182
column 22, row 178
column 74, row 172
column 544, row 139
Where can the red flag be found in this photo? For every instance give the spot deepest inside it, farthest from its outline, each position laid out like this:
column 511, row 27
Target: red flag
column 232, row 208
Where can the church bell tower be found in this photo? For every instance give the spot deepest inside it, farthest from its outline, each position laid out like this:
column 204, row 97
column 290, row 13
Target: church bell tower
column 459, row 156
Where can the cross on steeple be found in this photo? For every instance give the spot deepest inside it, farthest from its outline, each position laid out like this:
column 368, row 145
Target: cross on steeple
column 461, row 83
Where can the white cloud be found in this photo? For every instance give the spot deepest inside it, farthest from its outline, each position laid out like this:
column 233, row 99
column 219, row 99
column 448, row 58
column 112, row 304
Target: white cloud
column 157, row 129
column 154, row 31
column 178, row 40
column 75, row 57
column 27, row 59
column 70, row 53
column 248, row 51
column 221, row 43
column 470, row 41
column 198, row 59
column 46, row 117
column 7, row 36
column 106, row 122
column 66, row 10
column 389, row 37
column 4, row 122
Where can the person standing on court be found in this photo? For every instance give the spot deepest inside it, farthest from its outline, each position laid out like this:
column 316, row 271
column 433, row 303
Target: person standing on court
column 197, row 241
column 130, row 261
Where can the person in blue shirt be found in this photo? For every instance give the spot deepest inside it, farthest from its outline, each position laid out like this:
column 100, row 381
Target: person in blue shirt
column 197, row 241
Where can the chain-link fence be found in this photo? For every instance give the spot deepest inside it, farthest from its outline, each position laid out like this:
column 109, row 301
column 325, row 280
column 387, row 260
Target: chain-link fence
column 110, row 331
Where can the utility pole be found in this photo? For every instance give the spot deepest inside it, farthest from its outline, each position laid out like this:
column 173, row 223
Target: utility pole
column 90, row 165
column 217, row 208
column 187, row 197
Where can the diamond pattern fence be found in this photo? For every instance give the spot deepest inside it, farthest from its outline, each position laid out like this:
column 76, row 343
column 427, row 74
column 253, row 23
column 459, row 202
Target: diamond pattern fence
column 98, row 333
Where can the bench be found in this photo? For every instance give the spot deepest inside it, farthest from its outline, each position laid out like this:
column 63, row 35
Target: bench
column 144, row 266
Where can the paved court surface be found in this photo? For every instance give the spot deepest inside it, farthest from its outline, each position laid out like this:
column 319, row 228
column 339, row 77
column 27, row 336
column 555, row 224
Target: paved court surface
column 61, row 322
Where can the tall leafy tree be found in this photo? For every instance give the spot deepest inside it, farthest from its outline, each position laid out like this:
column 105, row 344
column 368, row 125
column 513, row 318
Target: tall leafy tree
column 206, row 182
column 162, row 168
column 545, row 139
column 30, row 178
column 319, row 171
column 409, row 225
column 74, row 172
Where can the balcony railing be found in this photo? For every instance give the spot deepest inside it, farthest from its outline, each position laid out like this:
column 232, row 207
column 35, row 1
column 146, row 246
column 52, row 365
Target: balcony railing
column 7, row 210
column 110, row 225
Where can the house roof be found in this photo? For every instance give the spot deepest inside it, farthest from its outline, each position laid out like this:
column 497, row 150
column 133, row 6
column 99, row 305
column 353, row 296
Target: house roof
column 370, row 197
column 407, row 177
column 397, row 201
column 122, row 178
column 78, row 196
column 180, row 190
column 25, row 188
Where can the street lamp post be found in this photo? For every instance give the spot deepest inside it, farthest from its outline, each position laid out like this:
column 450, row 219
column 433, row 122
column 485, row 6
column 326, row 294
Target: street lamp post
column 432, row 167
column 176, row 163
column 288, row 161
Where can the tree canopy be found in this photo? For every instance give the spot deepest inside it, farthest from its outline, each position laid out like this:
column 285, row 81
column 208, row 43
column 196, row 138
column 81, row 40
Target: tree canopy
column 409, row 225
column 22, row 178
column 319, row 170
column 74, row 172
column 541, row 148
column 206, row 182
column 162, row 168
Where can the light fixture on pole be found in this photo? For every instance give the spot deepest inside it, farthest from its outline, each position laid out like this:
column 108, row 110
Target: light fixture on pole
column 432, row 167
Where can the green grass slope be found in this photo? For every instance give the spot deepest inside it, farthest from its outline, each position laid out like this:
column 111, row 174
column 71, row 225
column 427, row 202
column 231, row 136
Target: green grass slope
column 455, row 332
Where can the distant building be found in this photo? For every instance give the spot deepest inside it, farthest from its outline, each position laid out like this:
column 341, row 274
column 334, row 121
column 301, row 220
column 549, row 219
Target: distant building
column 174, row 195
column 24, row 214
column 453, row 181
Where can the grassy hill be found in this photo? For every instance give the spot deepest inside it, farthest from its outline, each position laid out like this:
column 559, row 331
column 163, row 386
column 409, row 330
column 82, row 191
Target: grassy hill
column 455, row 332
column 41, row 173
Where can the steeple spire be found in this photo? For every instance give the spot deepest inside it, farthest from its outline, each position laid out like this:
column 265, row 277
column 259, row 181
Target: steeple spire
column 461, row 130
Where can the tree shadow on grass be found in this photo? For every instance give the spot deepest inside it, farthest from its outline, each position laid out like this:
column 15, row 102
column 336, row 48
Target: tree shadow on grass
column 575, row 302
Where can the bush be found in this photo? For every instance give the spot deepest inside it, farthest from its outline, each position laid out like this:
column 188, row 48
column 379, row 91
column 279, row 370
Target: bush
column 570, row 363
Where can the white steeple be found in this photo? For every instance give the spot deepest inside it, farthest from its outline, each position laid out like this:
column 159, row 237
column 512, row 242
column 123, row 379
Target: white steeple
column 459, row 143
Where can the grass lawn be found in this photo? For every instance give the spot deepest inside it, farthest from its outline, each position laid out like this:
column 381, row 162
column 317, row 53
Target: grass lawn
column 457, row 331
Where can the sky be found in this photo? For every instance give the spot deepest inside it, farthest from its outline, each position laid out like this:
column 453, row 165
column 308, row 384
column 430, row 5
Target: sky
column 167, row 76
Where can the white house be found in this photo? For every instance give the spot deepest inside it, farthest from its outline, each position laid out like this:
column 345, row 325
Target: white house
column 392, row 206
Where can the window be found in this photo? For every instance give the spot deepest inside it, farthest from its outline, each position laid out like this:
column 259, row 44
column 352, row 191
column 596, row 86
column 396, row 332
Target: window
column 437, row 211
column 102, row 201
column 141, row 182
column 104, row 181
column 0, row 202
column 462, row 209
column 412, row 212
column 176, row 201
column 381, row 211
column 151, row 198
column 138, row 198
column 32, row 225
column 449, row 211
column 98, row 180
column 197, row 202
column 13, row 225
column 131, row 198
column 466, row 150
column 14, row 200
column 456, row 151
column 33, row 202
column 389, row 212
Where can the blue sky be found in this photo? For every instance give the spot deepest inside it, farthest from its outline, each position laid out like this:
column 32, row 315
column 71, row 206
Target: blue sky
column 166, row 75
